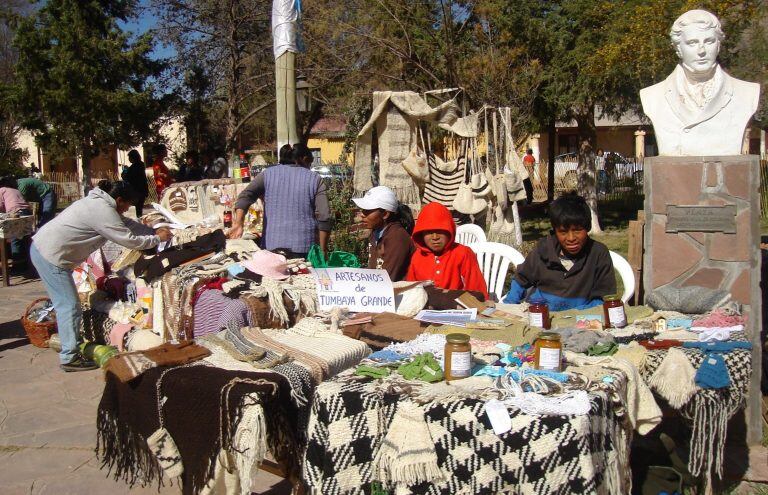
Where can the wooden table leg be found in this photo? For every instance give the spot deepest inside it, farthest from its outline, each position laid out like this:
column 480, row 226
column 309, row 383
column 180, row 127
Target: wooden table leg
column 4, row 261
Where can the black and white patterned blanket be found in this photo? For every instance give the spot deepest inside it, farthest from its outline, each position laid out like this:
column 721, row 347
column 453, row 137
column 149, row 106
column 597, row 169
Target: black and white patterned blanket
column 540, row 455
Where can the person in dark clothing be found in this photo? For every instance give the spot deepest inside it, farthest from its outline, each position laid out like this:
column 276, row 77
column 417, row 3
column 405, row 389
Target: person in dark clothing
column 190, row 170
column 217, row 169
column 567, row 269
column 136, row 176
column 390, row 246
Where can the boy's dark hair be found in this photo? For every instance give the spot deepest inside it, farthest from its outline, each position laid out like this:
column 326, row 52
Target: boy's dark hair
column 9, row 181
column 568, row 210
column 285, row 156
column 134, row 156
column 119, row 189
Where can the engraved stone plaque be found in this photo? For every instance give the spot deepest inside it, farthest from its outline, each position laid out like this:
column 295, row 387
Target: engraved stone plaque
column 701, row 219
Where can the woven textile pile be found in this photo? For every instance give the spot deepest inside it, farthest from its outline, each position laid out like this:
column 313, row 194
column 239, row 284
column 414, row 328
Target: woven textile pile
column 553, row 454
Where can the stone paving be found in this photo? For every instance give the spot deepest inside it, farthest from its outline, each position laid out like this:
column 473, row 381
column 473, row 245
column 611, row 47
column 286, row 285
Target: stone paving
column 48, row 417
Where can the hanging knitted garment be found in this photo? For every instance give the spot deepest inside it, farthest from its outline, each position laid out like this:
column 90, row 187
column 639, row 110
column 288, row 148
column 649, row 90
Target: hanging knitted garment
column 674, row 379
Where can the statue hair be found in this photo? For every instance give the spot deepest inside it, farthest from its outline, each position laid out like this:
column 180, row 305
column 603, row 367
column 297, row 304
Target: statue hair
column 707, row 19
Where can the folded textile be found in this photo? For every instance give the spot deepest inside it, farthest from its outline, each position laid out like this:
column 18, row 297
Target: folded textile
column 579, row 340
column 674, row 379
column 387, row 356
column 720, row 318
column 407, row 453
column 137, row 339
column 715, row 334
column 150, row 267
column 385, row 329
column 117, row 333
column 128, row 366
column 214, row 311
column 660, row 344
column 718, row 346
column 602, row 349
column 442, row 299
column 679, row 323
column 567, row 318
column 679, row 334
column 713, row 373
column 434, row 344
column 424, row 367
column 632, row 352
column 375, row 372
column 688, row 300
column 641, row 407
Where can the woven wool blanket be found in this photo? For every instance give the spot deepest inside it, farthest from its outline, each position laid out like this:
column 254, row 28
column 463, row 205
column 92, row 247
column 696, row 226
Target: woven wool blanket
column 709, row 409
column 201, row 419
column 553, row 454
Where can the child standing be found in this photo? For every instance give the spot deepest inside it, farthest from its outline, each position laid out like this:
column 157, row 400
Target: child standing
column 568, row 269
column 438, row 258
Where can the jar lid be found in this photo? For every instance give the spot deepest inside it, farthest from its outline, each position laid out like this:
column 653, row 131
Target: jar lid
column 538, row 300
column 457, row 338
column 549, row 336
column 611, row 297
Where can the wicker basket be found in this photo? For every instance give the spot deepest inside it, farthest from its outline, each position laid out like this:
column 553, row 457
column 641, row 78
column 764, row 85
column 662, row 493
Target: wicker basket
column 38, row 333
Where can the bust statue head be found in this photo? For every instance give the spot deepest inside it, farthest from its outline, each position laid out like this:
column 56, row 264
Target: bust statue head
column 696, row 37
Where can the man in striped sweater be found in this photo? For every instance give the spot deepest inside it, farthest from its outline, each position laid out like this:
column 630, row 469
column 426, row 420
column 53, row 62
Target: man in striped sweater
column 296, row 211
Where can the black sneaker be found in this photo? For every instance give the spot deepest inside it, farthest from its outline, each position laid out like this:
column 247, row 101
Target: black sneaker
column 79, row 364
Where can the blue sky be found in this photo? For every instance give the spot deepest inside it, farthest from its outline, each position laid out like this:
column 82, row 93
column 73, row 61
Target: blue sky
column 144, row 23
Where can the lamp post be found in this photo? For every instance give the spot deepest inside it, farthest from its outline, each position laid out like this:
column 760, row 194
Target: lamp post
column 303, row 94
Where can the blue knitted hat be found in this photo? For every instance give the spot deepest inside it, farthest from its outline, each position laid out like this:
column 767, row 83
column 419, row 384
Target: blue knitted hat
column 713, row 373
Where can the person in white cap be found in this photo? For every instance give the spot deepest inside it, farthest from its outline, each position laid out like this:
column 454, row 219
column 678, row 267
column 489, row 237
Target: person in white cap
column 390, row 246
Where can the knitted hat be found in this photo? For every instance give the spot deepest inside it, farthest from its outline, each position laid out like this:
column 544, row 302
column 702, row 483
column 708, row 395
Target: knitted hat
column 674, row 378
column 713, row 373
column 141, row 340
column 267, row 264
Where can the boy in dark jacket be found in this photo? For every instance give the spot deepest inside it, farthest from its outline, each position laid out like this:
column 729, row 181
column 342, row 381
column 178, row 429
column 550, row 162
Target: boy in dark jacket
column 568, row 269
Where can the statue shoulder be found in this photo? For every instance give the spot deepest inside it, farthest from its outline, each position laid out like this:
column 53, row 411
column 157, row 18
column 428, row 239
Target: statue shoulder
column 651, row 95
column 746, row 91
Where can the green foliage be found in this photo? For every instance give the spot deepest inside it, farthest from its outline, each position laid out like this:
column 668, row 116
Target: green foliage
column 343, row 236
column 81, row 84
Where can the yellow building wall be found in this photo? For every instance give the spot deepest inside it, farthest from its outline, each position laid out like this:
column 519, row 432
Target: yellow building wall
column 331, row 149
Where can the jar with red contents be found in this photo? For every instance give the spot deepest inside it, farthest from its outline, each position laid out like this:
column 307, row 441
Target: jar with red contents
column 538, row 313
column 614, row 315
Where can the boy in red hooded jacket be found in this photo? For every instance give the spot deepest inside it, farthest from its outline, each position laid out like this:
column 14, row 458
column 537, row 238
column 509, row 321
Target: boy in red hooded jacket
column 438, row 258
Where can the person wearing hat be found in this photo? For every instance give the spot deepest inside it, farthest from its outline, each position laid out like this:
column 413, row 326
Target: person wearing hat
column 390, row 246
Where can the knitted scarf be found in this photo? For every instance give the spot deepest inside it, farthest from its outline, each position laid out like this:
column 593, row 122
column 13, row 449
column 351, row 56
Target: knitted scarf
column 396, row 135
column 200, row 416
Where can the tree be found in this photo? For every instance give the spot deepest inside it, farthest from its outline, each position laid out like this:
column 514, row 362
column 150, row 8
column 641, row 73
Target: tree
column 228, row 42
column 81, row 86
column 11, row 156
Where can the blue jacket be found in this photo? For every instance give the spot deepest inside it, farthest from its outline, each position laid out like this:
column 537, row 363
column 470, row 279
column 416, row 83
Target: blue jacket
column 583, row 286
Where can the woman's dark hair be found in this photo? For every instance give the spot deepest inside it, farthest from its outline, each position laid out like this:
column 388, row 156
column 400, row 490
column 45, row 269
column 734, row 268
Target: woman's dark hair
column 404, row 216
column 570, row 210
column 119, row 189
column 300, row 151
column 9, row 181
column 134, row 156
column 285, row 156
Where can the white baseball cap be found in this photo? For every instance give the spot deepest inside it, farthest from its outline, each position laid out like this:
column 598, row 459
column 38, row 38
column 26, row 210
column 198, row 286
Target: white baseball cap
column 378, row 197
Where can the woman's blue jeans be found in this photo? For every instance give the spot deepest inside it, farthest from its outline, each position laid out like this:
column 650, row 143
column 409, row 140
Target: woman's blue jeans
column 63, row 293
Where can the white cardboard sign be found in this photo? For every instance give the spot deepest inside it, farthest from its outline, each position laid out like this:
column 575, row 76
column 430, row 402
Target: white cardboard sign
column 358, row 289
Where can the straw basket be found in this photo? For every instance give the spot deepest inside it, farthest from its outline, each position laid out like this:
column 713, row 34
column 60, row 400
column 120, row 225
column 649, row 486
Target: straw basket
column 38, row 333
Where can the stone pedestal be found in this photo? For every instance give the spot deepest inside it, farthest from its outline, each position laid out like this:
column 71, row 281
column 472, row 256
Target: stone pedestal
column 703, row 228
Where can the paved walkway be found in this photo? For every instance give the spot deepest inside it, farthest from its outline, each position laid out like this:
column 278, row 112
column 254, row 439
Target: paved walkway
column 48, row 417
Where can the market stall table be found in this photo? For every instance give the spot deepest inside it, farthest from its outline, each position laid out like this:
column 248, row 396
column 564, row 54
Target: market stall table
column 13, row 228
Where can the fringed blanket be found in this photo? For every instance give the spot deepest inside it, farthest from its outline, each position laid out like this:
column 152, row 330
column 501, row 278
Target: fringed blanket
column 709, row 409
column 547, row 455
column 201, row 411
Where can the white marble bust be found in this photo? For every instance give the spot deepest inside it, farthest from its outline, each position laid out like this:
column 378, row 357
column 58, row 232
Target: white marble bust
column 699, row 109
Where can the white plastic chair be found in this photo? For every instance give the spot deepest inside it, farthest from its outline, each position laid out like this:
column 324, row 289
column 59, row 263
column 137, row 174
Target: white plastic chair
column 626, row 273
column 494, row 259
column 469, row 234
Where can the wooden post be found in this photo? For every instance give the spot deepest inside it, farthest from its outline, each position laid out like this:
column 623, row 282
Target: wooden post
column 635, row 253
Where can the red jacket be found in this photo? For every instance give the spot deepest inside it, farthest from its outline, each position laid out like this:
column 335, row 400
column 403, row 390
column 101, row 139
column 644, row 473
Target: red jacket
column 162, row 175
column 456, row 267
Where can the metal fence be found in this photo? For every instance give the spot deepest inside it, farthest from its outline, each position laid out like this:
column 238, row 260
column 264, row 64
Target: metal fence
column 618, row 179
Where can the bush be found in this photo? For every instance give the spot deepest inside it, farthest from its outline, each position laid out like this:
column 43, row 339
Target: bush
column 343, row 211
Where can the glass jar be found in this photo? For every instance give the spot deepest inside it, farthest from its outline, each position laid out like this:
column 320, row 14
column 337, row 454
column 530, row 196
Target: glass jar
column 548, row 352
column 613, row 312
column 458, row 356
column 538, row 314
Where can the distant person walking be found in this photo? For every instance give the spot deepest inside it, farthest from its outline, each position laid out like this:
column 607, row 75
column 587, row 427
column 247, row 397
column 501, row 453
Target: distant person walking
column 530, row 162
column 136, row 176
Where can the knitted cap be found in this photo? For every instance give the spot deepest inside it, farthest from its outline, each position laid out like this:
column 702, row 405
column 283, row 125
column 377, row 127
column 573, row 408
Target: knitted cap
column 713, row 373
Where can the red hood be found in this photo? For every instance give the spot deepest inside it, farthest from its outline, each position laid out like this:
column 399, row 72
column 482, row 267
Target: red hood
column 434, row 216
